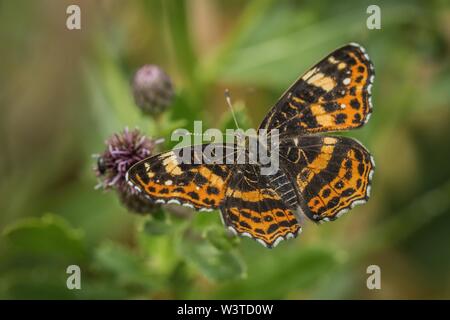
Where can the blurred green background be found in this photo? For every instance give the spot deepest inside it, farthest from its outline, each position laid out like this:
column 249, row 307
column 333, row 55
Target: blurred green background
column 62, row 93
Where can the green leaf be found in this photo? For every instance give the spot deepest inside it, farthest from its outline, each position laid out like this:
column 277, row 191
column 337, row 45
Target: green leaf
column 219, row 238
column 176, row 13
column 44, row 282
column 158, row 224
column 126, row 267
column 292, row 269
column 109, row 89
column 286, row 42
column 49, row 235
column 213, row 263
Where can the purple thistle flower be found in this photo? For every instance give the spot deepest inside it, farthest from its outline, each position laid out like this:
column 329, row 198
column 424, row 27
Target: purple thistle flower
column 123, row 150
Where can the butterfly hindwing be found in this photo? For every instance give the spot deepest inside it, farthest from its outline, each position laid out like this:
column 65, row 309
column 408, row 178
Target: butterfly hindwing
column 179, row 177
column 332, row 174
column 333, row 95
column 252, row 208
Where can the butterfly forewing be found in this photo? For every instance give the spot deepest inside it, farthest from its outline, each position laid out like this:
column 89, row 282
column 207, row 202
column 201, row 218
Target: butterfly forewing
column 333, row 95
column 171, row 178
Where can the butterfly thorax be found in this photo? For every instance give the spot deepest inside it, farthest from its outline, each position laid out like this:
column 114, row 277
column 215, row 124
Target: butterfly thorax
column 254, row 149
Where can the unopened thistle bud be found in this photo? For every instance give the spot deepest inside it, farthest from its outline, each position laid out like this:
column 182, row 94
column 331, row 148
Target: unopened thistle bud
column 152, row 89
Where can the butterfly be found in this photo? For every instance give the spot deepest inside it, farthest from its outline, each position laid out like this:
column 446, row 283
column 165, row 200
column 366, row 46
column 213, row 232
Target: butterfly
column 320, row 177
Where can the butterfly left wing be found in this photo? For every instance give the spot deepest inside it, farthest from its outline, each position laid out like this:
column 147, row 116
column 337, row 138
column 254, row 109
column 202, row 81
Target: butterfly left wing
column 252, row 208
column 333, row 95
column 332, row 174
column 179, row 177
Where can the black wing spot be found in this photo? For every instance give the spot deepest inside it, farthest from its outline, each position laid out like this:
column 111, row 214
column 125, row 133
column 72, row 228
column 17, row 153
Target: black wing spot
column 272, row 228
column 284, row 223
column 245, row 224
column 331, row 106
column 339, row 185
column 193, row 195
column 200, row 180
column 356, row 118
column 333, row 202
column 209, row 201
column 348, row 192
column 245, row 214
column 358, row 183
column 309, row 119
column 326, row 193
column 260, row 231
column 361, row 169
column 233, row 217
column 280, row 214
column 212, row 190
column 348, row 164
column 348, row 175
column 354, row 103
column 358, row 155
column 340, row 118
column 328, row 96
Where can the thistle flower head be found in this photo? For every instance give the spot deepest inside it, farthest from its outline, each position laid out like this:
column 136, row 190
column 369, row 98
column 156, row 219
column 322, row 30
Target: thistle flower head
column 122, row 151
column 152, row 89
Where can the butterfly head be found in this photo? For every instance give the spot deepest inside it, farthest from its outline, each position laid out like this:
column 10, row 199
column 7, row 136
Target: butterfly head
column 101, row 166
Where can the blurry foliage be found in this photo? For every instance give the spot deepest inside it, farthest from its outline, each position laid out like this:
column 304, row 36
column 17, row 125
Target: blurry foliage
column 64, row 92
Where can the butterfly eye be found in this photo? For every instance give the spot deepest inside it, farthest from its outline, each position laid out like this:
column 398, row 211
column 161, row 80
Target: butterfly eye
column 101, row 166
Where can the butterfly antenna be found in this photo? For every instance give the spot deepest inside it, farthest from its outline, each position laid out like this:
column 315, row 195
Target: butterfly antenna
column 228, row 99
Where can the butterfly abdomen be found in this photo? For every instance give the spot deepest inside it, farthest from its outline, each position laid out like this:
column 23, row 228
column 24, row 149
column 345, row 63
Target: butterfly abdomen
column 284, row 188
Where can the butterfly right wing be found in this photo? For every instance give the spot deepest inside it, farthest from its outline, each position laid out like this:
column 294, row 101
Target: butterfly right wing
column 184, row 176
column 333, row 95
column 332, row 174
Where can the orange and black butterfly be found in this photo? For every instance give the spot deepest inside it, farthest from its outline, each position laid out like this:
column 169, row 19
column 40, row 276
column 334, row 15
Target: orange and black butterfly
column 320, row 177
